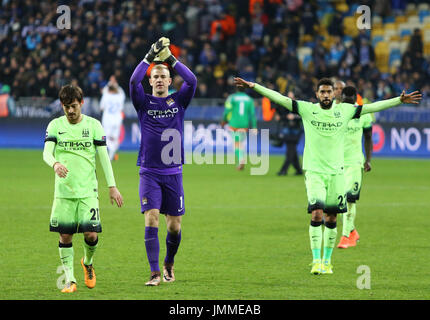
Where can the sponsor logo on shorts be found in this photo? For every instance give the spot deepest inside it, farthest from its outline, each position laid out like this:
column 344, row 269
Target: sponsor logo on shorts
column 54, row 222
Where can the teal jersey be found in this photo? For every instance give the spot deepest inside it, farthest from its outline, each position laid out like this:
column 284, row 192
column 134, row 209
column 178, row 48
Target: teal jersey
column 76, row 149
column 353, row 150
column 324, row 135
column 239, row 111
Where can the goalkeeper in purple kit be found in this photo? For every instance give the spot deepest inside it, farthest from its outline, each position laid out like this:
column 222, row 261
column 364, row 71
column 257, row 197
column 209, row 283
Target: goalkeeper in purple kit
column 161, row 154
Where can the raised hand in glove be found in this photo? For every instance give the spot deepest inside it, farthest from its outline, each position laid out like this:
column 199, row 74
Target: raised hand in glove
column 156, row 48
column 166, row 56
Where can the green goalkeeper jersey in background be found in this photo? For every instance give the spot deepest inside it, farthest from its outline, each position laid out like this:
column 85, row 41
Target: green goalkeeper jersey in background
column 353, row 152
column 76, row 149
column 239, row 111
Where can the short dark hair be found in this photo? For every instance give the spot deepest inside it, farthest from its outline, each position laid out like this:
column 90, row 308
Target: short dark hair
column 325, row 82
column 349, row 91
column 349, row 94
column 70, row 93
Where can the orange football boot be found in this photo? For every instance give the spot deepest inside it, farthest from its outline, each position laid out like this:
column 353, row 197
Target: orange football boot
column 354, row 235
column 90, row 275
column 344, row 243
column 70, row 287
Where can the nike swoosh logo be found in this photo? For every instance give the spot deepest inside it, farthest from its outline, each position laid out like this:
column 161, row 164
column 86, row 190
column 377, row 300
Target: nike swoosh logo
column 95, row 225
column 152, row 102
column 314, row 112
column 61, row 132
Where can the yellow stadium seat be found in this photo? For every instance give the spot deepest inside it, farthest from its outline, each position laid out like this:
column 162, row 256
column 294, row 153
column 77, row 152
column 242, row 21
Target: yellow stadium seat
column 427, row 49
column 412, row 13
column 390, row 26
column 377, row 32
column 342, row 7
column 401, row 19
column 406, row 38
column 306, row 38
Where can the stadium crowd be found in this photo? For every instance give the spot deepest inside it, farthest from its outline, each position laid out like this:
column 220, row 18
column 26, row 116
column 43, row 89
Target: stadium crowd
column 257, row 40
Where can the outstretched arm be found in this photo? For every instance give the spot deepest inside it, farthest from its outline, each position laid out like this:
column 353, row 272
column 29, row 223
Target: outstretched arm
column 274, row 96
column 413, row 97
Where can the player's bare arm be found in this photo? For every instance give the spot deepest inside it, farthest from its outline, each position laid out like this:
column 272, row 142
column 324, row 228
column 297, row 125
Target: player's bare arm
column 368, row 146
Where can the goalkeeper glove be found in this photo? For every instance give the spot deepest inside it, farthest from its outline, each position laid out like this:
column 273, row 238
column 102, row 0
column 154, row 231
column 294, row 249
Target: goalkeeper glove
column 166, row 56
column 156, row 48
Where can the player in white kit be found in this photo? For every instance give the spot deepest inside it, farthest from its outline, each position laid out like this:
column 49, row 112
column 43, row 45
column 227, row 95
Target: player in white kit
column 112, row 105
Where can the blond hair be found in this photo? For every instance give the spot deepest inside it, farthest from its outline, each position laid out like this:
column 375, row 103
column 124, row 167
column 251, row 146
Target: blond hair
column 160, row 67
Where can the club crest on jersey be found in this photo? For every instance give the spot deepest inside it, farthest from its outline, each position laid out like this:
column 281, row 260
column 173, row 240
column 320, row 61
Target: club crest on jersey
column 170, row 101
column 337, row 114
column 85, row 133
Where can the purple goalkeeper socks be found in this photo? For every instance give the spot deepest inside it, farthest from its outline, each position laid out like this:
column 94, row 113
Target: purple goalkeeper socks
column 172, row 245
column 152, row 247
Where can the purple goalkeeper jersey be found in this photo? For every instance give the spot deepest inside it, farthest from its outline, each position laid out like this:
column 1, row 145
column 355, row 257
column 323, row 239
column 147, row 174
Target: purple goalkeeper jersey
column 161, row 148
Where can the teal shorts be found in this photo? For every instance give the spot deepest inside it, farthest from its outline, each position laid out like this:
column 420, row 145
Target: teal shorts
column 69, row 216
column 326, row 192
column 353, row 180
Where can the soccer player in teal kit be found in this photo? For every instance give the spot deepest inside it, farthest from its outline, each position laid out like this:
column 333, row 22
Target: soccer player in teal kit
column 71, row 144
column 325, row 125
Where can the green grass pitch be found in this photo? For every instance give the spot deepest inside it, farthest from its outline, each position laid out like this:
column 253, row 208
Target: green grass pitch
column 244, row 237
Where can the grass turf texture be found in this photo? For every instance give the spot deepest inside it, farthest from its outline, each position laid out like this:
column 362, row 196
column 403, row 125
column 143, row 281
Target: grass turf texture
column 244, row 237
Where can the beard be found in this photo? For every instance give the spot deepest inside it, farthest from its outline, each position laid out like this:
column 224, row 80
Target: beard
column 325, row 103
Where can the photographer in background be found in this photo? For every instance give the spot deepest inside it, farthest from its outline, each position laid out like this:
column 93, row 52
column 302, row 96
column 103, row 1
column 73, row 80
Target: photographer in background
column 289, row 132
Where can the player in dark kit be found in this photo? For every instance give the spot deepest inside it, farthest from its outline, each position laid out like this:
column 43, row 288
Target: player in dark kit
column 161, row 118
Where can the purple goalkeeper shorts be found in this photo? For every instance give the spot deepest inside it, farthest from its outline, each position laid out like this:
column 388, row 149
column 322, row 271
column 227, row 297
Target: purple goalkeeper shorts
column 162, row 192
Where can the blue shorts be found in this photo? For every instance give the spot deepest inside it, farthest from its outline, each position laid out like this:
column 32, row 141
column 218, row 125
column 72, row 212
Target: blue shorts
column 162, row 192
